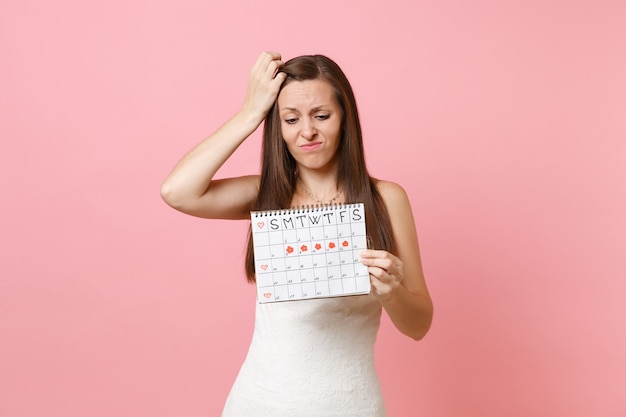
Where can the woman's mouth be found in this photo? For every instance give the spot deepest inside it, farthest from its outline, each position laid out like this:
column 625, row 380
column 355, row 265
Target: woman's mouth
column 311, row 146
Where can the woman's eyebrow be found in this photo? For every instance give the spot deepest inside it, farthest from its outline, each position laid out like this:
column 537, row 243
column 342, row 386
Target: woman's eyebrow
column 314, row 109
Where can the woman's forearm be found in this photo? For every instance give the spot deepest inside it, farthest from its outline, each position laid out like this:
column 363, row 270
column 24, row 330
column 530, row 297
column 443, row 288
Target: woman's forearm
column 192, row 175
column 411, row 313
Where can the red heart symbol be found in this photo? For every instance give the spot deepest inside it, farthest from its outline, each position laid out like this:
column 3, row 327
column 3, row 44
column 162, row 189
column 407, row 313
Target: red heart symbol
column 264, row 267
column 267, row 294
column 260, row 225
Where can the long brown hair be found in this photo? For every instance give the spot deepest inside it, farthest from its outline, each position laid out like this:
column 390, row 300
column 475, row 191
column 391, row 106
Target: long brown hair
column 278, row 167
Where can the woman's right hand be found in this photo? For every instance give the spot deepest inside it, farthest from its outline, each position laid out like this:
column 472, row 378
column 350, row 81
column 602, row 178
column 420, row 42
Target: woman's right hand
column 263, row 85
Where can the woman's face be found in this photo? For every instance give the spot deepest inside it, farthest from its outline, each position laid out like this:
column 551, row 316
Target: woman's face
column 310, row 121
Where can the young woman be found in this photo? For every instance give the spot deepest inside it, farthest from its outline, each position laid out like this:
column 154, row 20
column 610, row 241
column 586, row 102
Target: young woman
column 310, row 357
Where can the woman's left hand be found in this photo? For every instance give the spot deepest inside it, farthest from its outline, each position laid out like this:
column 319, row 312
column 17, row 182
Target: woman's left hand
column 386, row 272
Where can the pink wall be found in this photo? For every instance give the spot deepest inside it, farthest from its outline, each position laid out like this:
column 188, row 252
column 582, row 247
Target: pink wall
column 505, row 122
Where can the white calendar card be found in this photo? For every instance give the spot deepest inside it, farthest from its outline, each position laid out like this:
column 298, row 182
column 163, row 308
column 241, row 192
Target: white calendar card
column 309, row 252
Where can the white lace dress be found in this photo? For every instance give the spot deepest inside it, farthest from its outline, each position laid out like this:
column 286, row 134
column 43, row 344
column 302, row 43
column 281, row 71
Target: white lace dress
column 311, row 358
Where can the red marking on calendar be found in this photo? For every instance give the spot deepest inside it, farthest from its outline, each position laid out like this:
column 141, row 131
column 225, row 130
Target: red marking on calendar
column 318, row 246
column 345, row 243
column 289, row 249
column 331, row 245
column 260, row 225
column 267, row 294
column 264, row 267
column 303, row 248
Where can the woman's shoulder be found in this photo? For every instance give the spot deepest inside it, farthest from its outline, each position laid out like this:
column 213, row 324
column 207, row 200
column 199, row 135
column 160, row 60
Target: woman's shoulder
column 391, row 192
column 398, row 206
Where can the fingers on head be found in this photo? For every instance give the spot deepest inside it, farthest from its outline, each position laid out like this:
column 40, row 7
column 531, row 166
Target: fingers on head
column 271, row 54
column 274, row 66
column 268, row 57
column 279, row 78
column 264, row 59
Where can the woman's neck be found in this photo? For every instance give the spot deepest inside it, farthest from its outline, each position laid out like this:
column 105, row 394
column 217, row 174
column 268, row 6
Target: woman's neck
column 318, row 188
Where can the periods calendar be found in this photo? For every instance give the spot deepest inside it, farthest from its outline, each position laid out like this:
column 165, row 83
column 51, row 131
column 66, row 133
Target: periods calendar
column 309, row 252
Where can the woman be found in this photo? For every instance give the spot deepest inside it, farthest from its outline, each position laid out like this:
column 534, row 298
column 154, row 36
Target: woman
column 310, row 357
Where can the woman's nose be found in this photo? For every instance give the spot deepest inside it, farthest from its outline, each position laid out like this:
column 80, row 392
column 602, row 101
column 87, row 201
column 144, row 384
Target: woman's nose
column 308, row 130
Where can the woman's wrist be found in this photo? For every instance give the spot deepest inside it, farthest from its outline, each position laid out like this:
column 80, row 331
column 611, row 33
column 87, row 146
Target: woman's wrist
column 250, row 117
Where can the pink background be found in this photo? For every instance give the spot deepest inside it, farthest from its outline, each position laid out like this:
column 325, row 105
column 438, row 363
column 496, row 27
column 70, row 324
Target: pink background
column 505, row 122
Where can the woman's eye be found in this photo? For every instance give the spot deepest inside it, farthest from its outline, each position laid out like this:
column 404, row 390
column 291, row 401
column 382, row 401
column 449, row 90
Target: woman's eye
column 322, row 116
column 291, row 121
